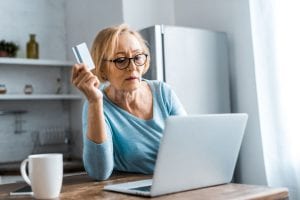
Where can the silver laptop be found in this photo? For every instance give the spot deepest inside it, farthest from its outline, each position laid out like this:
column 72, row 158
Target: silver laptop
column 195, row 151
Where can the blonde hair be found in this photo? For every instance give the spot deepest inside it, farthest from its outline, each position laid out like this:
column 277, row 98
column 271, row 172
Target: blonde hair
column 105, row 44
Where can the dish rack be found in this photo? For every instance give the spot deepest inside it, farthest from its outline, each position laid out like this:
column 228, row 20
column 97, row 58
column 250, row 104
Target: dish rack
column 52, row 140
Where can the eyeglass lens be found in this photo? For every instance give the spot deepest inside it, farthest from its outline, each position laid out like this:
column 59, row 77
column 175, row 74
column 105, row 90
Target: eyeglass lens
column 123, row 62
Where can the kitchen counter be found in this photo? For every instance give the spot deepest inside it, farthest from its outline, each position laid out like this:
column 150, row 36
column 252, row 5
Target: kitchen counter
column 83, row 187
column 13, row 168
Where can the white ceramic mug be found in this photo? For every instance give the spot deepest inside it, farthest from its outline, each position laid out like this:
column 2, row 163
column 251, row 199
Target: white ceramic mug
column 45, row 174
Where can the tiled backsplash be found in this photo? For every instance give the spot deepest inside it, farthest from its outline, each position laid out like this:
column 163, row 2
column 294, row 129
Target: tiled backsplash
column 44, row 117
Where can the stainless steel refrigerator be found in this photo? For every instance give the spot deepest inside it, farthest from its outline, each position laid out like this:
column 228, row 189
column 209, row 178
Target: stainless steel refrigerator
column 194, row 62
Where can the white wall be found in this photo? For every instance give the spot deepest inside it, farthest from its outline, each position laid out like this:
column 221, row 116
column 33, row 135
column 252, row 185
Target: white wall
column 140, row 14
column 232, row 17
column 84, row 19
column 42, row 17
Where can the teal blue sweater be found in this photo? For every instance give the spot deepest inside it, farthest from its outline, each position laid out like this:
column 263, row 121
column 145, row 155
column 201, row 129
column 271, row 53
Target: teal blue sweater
column 132, row 142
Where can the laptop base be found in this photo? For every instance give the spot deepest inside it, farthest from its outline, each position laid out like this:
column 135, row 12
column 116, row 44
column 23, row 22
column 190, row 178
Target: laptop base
column 141, row 188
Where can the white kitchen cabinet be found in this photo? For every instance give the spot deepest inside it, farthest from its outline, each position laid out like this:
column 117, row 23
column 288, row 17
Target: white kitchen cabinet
column 24, row 116
column 41, row 74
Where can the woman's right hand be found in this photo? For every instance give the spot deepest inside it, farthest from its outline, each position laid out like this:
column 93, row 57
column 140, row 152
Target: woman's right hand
column 86, row 82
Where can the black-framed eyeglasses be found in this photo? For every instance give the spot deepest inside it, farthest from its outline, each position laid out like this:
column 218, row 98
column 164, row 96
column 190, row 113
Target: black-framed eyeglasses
column 123, row 62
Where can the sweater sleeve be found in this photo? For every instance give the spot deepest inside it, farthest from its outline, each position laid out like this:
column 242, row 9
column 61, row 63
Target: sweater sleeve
column 97, row 158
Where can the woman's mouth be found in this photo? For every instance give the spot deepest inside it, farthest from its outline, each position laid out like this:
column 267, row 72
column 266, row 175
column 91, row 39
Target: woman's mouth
column 132, row 78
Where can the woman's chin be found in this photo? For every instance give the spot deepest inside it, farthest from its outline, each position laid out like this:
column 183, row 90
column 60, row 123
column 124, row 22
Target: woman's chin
column 133, row 84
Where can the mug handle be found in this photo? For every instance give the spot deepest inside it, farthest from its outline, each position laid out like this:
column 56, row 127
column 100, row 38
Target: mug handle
column 23, row 171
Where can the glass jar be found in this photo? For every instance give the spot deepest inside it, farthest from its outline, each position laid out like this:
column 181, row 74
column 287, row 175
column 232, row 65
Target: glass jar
column 2, row 89
column 28, row 89
column 32, row 47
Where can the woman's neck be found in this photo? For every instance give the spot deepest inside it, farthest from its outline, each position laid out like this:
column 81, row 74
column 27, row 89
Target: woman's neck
column 124, row 98
column 138, row 102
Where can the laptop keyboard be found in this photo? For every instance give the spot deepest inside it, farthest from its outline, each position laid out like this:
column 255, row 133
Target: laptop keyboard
column 143, row 188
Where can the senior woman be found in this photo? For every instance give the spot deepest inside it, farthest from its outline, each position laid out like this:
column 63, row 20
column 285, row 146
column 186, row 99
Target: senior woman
column 123, row 117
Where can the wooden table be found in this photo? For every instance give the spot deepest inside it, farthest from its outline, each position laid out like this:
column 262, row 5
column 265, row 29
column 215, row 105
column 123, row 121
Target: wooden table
column 83, row 187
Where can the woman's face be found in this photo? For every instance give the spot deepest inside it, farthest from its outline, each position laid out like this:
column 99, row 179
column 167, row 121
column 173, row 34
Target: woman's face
column 127, row 79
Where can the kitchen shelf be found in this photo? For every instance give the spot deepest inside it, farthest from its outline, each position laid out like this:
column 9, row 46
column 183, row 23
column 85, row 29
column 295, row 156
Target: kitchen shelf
column 27, row 114
column 15, row 112
column 35, row 62
column 41, row 97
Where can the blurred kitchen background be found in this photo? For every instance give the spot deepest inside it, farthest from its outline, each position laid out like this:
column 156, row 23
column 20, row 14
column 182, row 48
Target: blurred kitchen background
column 48, row 124
column 49, row 119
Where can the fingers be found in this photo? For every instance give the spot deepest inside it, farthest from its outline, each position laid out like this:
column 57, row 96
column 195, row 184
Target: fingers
column 95, row 82
column 74, row 74
column 86, row 82
column 89, row 86
column 89, row 82
column 83, row 79
column 78, row 69
column 78, row 72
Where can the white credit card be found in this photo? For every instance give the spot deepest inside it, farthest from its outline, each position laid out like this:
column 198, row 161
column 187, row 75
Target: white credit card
column 83, row 55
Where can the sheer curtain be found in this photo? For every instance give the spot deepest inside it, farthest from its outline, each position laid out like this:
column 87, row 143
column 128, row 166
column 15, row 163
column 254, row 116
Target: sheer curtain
column 276, row 43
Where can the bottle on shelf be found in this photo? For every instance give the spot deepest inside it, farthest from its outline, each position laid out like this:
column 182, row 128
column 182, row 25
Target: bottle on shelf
column 32, row 47
column 58, row 86
column 2, row 88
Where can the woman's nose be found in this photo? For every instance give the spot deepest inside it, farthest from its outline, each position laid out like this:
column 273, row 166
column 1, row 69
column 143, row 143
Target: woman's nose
column 132, row 65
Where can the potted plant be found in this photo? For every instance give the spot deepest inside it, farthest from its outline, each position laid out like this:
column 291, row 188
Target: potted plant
column 8, row 49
